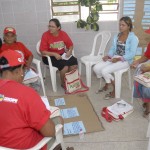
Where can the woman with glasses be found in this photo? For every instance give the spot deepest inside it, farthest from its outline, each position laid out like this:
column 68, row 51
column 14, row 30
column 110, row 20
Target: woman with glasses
column 54, row 43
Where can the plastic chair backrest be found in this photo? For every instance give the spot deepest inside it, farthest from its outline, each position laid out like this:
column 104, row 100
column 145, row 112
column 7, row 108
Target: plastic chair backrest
column 104, row 40
column 38, row 48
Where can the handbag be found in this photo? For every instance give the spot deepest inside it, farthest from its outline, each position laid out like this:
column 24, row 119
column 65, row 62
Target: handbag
column 117, row 111
column 73, row 83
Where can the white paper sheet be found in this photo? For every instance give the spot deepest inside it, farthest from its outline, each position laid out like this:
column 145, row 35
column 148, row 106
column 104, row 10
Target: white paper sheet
column 60, row 102
column 69, row 112
column 65, row 57
column 74, row 128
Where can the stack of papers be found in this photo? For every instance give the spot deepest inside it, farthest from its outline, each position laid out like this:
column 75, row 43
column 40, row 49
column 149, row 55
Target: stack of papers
column 144, row 79
column 30, row 77
column 55, row 111
column 65, row 57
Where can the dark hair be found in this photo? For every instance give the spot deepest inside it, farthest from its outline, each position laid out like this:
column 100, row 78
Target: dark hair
column 4, row 61
column 128, row 21
column 56, row 21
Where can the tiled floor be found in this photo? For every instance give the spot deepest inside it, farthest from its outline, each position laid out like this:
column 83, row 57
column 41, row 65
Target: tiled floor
column 129, row 134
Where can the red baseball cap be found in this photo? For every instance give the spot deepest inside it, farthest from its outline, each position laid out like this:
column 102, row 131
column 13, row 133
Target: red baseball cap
column 13, row 57
column 147, row 31
column 9, row 29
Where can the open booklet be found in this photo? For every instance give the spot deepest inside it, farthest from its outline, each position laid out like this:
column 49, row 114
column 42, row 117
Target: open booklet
column 63, row 56
column 55, row 111
column 30, row 77
column 144, row 79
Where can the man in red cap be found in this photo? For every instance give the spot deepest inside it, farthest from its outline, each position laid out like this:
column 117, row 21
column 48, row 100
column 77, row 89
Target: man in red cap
column 10, row 42
column 24, row 119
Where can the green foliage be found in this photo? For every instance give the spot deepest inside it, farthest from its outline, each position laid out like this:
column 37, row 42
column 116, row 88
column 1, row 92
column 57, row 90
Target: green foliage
column 91, row 21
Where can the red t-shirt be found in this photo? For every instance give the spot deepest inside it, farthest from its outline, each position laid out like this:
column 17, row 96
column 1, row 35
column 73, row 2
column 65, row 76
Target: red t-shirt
column 147, row 53
column 22, row 115
column 55, row 44
column 17, row 46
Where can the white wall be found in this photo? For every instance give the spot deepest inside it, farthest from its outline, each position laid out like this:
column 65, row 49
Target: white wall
column 30, row 18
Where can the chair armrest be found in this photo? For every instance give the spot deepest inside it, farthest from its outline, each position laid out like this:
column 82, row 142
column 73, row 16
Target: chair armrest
column 5, row 148
column 39, row 145
column 36, row 61
column 49, row 60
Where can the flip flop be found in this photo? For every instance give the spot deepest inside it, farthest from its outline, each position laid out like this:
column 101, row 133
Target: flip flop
column 99, row 91
column 146, row 114
column 108, row 96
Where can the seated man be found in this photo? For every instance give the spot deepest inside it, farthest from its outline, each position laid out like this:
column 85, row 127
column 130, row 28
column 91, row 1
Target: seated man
column 23, row 116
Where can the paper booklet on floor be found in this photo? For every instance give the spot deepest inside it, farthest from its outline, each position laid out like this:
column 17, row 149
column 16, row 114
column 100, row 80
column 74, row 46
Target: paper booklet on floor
column 30, row 77
column 120, row 108
column 55, row 111
column 144, row 79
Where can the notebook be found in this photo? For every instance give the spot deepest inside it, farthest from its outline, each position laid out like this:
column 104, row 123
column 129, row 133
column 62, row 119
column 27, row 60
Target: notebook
column 144, row 79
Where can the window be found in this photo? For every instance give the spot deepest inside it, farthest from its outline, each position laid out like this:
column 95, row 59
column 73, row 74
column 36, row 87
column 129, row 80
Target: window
column 65, row 10
column 70, row 10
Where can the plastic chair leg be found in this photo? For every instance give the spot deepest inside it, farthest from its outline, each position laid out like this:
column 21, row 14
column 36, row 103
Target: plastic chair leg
column 129, row 76
column 88, row 75
column 60, row 140
column 53, row 80
column 80, row 65
column 44, row 70
column 118, row 77
column 132, row 95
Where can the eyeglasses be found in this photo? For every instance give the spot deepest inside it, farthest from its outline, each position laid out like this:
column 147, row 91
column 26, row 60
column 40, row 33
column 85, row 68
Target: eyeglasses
column 52, row 26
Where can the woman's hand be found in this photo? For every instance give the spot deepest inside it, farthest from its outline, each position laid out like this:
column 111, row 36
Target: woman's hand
column 114, row 60
column 68, row 53
column 105, row 58
column 135, row 64
column 57, row 56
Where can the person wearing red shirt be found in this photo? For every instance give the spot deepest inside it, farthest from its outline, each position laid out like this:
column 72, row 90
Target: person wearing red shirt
column 140, row 91
column 10, row 42
column 0, row 42
column 22, row 126
column 54, row 43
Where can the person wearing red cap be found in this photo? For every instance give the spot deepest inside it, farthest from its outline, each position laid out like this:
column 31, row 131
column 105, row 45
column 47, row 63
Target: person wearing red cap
column 22, row 126
column 142, row 65
column 10, row 42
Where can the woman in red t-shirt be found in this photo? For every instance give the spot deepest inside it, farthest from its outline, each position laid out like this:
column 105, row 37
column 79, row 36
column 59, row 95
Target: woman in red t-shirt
column 10, row 42
column 55, row 43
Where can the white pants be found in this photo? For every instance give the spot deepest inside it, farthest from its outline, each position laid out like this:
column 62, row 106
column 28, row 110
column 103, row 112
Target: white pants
column 104, row 69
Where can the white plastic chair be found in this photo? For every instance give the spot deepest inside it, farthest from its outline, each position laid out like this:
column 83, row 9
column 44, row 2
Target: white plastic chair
column 39, row 72
column 52, row 69
column 118, row 78
column 45, row 140
column 32, row 78
column 93, row 58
